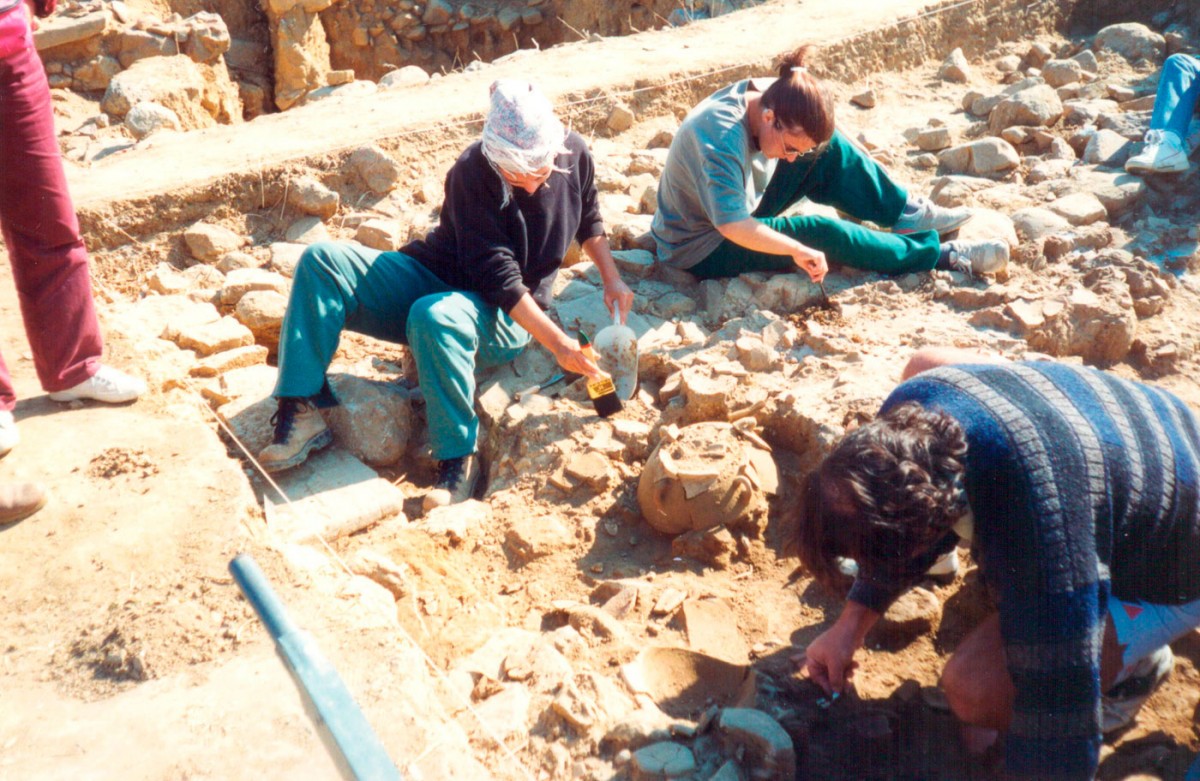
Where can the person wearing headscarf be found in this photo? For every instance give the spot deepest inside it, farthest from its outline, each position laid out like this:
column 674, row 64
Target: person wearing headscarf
column 469, row 295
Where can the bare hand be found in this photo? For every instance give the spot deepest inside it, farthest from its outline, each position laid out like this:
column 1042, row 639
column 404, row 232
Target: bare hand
column 573, row 359
column 812, row 261
column 829, row 661
column 618, row 294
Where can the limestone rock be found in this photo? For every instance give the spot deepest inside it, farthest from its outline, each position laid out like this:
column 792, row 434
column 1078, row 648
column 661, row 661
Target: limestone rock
column 456, row 521
column 285, row 256
column 1035, row 106
column 528, row 538
column 262, row 312
column 378, row 234
column 934, row 139
column 404, row 76
column 1131, row 40
column 208, row 242
column 865, row 99
column 205, row 37
column 97, row 73
column 239, row 282
column 915, row 613
column 200, row 95
column 237, row 358
column 769, row 752
column 1118, row 191
column 662, row 761
column 301, row 52
column 62, row 29
column 989, row 224
column 147, row 117
column 988, row 156
column 225, row 334
column 307, row 230
column 620, row 118
column 1079, row 208
column 133, row 45
column 1060, row 72
column 1036, row 222
column 1099, row 329
column 375, row 168
column 311, row 197
column 955, row 68
column 1107, row 148
column 371, row 419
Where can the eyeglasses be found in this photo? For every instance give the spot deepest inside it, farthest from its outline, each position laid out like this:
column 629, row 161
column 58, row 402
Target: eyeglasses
column 788, row 149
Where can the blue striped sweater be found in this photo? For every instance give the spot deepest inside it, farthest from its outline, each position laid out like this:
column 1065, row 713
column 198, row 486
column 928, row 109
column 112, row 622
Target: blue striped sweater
column 1082, row 484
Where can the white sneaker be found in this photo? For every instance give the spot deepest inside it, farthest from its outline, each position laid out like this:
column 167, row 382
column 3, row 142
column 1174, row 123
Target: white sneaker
column 112, row 386
column 928, row 216
column 1164, row 153
column 978, row 257
column 1120, row 704
column 9, row 436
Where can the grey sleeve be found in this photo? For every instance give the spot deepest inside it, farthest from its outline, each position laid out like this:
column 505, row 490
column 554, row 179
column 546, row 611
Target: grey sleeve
column 721, row 180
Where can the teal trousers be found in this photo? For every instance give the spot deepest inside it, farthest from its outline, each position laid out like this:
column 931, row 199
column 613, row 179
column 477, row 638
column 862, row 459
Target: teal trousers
column 391, row 296
column 845, row 177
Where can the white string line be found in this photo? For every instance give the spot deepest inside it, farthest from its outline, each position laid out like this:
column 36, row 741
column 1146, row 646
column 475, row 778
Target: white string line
column 717, row 71
column 508, row 752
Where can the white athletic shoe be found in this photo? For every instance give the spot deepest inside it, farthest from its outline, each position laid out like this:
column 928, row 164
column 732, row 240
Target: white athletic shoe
column 9, row 436
column 1120, row 704
column 979, row 257
column 931, row 217
column 112, row 386
column 1164, row 153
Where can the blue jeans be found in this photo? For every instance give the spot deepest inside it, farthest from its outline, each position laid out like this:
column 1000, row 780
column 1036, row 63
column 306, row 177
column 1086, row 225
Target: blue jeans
column 1178, row 91
column 393, row 297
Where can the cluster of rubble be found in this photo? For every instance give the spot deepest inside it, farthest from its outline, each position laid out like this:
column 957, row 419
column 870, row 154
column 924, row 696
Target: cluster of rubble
column 1038, row 154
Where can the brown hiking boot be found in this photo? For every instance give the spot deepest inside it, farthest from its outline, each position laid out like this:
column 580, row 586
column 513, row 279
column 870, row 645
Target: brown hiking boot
column 299, row 430
column 455, row 483
column 20, row 500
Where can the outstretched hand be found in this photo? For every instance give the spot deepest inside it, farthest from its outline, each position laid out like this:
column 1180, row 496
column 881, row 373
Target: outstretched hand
column 829, row 661
column 812, row 261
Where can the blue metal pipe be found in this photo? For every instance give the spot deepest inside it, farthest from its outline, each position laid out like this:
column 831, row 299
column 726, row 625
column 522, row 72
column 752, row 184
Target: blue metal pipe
column 343, row 728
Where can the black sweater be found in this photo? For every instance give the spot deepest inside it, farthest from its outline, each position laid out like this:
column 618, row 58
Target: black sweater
column 504, row 253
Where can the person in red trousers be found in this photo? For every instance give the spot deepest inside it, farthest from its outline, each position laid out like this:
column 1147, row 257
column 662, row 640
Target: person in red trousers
column 48, row 258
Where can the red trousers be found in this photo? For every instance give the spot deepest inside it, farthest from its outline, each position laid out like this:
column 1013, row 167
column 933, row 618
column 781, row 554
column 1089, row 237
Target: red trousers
column 49, row 261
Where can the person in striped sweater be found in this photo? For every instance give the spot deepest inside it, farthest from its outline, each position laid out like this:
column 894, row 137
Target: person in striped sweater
column 1078, row 493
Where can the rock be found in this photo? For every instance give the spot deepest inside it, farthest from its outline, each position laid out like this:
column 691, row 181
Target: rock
column 371, row 419
column 865, row 99
column 1087, row 61
column 989, row 224
column 225, row 334
column 1131, row 40
column 1099, row 329
column 456, row 521
column 96, row 74
column 934, row 139
column 647, row 161
column 200, row 95
column 1047, row 170
column 915, row 613
column 712, row 629
column 208, row 242
column 620, row 118
column 1008, row 63
column 635, row 263
column 767, row 747
column 239, row 282
column 375, row 168
column 262, row 312
column 307, row 230
column 1059, row 149
column 706, row 396
column 955, row 68
column 1117, row 190
column 311, row 197
column 385, row 235
column 285, row 256
column 167, row 280
column 1034, row 106
column 147, row 117
column 985, row 157
column 1108, row 148
column 714, row 547
column 403, row 77
column 1130, row 124
column 528, row 538
column 1086, row 112
column 1038, row 54
column 1035, row 223
column 205, row 37
column 1058, row 73
column 660, row 761
column 62, row 29
column 237, row 358
column 300, row 48
column 1079, row 208
column 133, row 45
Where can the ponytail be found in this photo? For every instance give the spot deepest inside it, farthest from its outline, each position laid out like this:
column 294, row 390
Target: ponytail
column 798, row 99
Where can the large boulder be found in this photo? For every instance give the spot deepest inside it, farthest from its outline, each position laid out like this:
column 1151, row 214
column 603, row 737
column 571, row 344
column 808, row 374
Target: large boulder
column 200, row 95
column 1034, row 106
column 1132, row 41
column 301, row 49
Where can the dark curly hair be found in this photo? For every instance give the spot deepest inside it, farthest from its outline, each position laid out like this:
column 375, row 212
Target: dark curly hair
column 888, row 491
column 799, row 99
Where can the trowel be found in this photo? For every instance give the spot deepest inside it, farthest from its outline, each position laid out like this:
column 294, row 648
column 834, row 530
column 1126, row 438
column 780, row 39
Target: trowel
column 616, row 345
